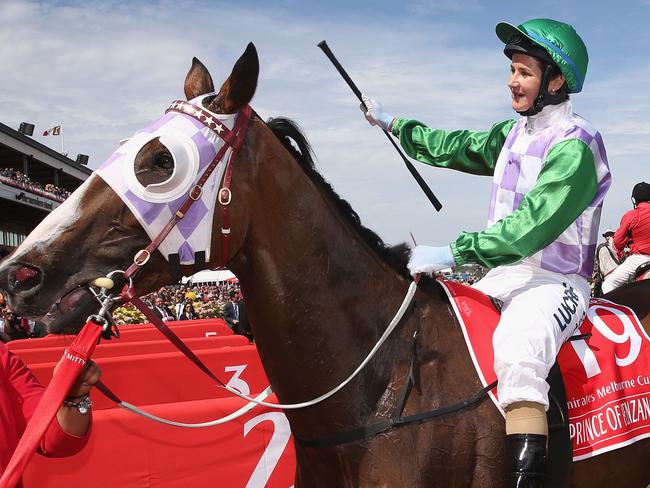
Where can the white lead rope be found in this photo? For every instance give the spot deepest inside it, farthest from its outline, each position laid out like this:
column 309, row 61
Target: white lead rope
column 259, row 400
column 236, row 414
column 398, row 316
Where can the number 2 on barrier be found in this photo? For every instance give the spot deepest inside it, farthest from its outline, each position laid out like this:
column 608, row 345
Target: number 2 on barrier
column 630, row 334
column 273, row 452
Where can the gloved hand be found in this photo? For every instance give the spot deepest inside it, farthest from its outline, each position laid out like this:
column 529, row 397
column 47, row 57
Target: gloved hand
column 375, row 113
column 428, row 259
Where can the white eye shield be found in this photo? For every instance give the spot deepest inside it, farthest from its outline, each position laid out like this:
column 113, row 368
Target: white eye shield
column 192, row 147
column 184, row 153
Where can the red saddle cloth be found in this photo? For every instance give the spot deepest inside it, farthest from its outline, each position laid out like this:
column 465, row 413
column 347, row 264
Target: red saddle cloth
column 606, row 375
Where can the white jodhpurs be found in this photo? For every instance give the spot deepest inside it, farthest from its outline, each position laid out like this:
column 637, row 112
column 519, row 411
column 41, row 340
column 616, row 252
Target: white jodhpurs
column 624, row 272
column 541, row 310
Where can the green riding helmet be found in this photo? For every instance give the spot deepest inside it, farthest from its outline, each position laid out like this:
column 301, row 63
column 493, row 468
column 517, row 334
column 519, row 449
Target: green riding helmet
column 559, row 40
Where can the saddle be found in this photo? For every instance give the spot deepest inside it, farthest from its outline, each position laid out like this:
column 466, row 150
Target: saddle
column 642, row 272
column 603, row 401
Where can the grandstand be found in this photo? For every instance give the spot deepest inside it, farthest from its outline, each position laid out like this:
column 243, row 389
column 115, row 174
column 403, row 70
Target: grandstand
column 34, row 180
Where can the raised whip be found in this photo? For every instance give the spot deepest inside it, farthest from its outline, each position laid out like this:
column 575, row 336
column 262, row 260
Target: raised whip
column 425, row 188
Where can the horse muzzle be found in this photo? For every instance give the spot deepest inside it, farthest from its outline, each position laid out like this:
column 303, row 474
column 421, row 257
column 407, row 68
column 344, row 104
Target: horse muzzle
column 22, row 285
column 22, row 279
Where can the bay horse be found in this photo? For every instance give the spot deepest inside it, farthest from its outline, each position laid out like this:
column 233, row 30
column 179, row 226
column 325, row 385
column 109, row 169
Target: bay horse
column 320, row 290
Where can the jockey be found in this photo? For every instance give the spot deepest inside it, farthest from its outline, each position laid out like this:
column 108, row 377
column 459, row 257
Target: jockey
column 605, row 262
column 550, row 175
column 634, row 233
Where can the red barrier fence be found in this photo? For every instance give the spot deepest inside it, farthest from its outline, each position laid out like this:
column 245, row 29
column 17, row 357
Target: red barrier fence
column 145, row 332
column 148, row 379
column 128, row 451
column 143, row 368
column 117, row 348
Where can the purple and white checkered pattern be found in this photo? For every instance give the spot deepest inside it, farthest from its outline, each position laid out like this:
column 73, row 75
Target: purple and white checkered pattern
column 194, row 232
column 519, row 164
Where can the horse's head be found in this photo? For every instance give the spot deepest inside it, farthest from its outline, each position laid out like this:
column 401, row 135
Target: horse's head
column 114, row 214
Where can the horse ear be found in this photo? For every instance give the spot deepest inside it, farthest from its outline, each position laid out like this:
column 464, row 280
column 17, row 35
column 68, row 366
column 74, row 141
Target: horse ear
column 198, row 80
column 239, row 88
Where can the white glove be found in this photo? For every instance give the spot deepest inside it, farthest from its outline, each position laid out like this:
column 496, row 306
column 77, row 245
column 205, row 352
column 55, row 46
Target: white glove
column 375, row 113
column 429, row 259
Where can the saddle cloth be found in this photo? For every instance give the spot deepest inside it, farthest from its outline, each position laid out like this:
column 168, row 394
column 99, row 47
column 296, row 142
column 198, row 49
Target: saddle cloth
column 606, row 373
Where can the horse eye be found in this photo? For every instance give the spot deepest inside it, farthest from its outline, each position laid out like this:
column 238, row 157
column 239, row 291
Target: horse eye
column 164, row 161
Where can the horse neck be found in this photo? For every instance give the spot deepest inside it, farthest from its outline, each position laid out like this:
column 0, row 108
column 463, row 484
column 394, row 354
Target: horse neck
column 317, row 295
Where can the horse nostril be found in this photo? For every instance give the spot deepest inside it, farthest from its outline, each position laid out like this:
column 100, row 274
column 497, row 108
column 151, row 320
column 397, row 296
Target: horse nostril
column 24, row 278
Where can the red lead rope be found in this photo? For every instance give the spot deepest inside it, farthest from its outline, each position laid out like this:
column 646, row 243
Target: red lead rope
column 74, row 359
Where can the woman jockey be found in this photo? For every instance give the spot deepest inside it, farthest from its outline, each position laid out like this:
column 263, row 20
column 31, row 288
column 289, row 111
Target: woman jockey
column 550, row 175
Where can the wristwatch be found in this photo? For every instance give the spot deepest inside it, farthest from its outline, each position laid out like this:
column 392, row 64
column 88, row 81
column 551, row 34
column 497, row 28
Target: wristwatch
column 83, row 403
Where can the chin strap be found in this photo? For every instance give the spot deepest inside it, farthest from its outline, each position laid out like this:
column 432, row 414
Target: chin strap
column 544, row 98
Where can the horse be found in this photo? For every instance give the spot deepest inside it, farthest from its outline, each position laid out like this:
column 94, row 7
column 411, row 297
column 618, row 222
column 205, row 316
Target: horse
column 320, row 290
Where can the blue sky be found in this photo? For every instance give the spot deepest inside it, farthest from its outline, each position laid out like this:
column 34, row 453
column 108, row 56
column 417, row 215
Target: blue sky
column 107, row 68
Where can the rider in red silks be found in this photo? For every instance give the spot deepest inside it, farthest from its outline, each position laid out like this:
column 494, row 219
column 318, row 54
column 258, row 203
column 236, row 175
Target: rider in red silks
column 634, row 233
column 20, row 393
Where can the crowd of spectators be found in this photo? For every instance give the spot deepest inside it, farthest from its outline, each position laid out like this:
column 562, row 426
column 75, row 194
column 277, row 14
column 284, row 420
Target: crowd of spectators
column 206, row 300
column 13, row 327
column 186, row 302
column 20, row 180
column 467, row 275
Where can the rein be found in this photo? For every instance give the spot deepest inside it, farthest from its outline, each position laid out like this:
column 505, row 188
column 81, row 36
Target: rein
column 180, row 345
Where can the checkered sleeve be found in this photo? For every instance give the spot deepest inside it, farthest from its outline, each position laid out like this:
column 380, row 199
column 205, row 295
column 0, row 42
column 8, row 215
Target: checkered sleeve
column 565, row 187
column 462, row 150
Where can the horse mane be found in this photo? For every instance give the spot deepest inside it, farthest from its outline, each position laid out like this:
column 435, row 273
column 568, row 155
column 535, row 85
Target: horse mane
column 292, row 138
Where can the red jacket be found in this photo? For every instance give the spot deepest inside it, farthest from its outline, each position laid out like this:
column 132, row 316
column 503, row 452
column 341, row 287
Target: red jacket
column 634, row 230
column 20, row 393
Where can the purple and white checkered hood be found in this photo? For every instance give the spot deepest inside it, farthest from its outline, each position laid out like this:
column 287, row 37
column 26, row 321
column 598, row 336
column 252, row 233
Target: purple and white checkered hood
column 193, row 146
column 519, row 164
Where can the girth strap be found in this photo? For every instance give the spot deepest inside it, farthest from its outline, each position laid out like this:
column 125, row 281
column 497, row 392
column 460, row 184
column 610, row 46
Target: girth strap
column 388, row 424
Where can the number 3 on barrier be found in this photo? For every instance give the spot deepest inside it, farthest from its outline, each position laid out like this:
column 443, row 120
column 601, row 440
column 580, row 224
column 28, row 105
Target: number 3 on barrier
column 273, row 452
column 630, row 334
column 236, row 382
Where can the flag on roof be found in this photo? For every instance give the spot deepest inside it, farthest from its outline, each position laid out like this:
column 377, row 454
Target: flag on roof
column 54, row 131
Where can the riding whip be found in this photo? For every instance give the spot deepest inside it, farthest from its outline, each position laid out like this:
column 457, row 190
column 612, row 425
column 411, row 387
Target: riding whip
column 427, row 191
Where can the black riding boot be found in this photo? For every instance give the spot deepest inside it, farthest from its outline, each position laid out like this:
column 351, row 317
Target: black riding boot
column 528, row 454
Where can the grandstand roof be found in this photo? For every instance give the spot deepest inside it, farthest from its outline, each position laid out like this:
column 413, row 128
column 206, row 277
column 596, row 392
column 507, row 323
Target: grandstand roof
column 25, row 145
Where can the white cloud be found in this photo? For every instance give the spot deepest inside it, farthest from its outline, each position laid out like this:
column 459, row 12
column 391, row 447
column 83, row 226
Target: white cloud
column 105, row 69
column 424, row 7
